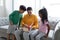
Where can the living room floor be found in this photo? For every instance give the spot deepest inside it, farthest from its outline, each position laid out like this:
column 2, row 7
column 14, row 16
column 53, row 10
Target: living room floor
column 1, row 38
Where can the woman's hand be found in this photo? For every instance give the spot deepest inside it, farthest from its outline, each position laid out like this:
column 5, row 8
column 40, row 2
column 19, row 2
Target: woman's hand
column 25, row 25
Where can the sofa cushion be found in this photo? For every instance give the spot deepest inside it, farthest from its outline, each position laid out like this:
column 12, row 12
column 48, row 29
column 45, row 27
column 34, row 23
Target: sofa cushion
column 51, row 34
column 4, row 28
column 57, row 26
column 4, row 21
column 53, row 22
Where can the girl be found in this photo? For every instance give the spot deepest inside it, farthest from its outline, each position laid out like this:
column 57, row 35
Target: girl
column 43, row 25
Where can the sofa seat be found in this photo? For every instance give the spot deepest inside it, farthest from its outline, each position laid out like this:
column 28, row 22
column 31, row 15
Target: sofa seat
column 3, row 31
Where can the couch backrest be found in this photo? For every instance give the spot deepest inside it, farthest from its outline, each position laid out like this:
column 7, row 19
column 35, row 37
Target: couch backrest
column 57, row 35
column 53, row 21
column 4, row 21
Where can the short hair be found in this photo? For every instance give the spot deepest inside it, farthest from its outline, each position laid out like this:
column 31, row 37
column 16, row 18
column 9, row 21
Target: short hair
column 29, row 8
column 22, row 7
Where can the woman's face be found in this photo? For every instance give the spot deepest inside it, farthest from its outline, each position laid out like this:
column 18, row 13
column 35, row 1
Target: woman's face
column 29, row 12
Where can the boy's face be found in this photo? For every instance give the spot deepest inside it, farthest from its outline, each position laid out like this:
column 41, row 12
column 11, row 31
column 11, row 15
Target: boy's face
column 21, row 11
column 29, row 12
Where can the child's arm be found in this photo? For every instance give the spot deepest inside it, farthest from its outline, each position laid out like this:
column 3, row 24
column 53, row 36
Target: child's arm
column 11, row 16
column 10, row 22
column 48, row 29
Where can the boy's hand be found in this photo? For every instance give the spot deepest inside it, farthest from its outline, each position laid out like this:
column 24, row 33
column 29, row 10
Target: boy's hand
column 11, row 23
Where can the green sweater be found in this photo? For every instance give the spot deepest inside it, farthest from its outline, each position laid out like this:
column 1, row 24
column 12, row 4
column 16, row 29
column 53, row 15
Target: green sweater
column 15, row 17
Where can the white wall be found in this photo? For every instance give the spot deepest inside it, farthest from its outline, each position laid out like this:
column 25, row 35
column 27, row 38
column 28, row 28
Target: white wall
column 35, row 4
column 27, row 3
column 53, row 7
column 9, row 6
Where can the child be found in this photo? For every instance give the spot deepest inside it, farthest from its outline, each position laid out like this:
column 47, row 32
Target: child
column 43, row 25
column 15, row 19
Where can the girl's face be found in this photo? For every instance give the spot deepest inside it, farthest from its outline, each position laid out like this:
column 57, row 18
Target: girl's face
column 40, row 15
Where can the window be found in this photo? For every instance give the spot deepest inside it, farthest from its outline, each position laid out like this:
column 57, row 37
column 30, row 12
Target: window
column 1, row 2
column 53, row 7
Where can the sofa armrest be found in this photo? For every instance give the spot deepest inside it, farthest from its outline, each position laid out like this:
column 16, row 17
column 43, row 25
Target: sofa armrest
column 51, row 34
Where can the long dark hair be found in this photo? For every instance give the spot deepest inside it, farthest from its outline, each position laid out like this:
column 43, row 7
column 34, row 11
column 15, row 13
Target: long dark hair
column 44, row 14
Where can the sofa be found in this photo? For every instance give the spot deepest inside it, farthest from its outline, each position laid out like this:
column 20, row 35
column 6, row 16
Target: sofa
column 57, row 32
column 4, row 24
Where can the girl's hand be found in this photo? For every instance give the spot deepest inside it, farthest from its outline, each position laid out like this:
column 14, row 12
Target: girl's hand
column 46, row 36
column 48, row 30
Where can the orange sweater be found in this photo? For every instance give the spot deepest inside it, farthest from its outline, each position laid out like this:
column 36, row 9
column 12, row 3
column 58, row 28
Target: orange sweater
column 29, row 20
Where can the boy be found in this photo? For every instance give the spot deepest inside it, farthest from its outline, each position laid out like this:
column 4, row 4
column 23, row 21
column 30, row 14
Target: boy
column 15, row 19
